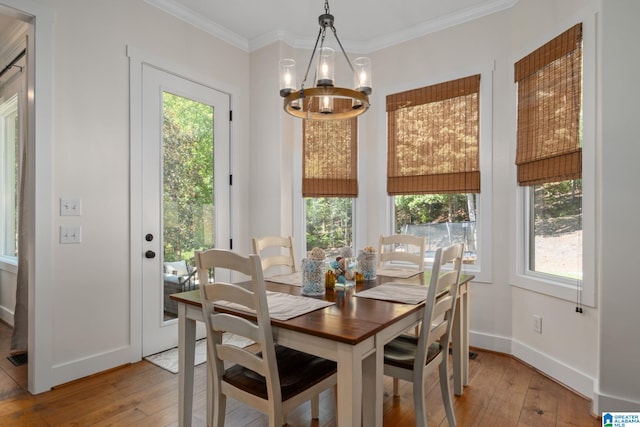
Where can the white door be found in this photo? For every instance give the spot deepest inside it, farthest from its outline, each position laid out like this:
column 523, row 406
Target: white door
column 185, row 190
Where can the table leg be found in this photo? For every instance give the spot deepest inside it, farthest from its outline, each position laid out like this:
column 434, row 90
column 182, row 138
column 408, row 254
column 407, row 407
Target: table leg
column 464, row 302
column 379, row 385
column 460, row 342
column 349, row 410
column 186, row 355
column 370, row 402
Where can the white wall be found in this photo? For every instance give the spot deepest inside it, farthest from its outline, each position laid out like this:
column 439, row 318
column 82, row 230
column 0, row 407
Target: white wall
column 271, row 154
column 619, row 364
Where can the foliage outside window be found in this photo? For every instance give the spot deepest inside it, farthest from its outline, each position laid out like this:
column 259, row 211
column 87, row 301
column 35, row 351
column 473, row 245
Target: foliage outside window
column 188, row 203
column 549, row 156
column 556, row 229
column 442, row 219
column 329, row 222
column 9, row 169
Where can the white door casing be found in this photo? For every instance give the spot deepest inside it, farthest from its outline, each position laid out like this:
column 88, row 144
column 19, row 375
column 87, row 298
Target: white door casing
column 157, row 333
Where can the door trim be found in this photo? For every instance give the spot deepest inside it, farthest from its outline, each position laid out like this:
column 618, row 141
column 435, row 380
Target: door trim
column 138, row 58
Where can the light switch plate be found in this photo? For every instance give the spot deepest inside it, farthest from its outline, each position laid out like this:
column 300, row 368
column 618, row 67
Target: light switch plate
column 70, row 234
column 70, row 207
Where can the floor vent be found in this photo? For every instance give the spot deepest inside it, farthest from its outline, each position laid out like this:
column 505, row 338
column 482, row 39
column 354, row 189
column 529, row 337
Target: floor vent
column 472, row 354
column 19, row 359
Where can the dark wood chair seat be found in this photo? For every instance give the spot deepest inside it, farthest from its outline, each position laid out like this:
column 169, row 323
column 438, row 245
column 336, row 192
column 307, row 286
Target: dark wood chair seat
column 297, row 370
column 401, row 352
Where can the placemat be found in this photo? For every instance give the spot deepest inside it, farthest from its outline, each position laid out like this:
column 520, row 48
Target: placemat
column 400, row 273
column 397, row 292
column 294, row 279
column 284, row 306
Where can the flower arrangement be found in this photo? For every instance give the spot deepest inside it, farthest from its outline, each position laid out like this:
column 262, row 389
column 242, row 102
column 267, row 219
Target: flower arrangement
column 317, row 254
column 342, row 266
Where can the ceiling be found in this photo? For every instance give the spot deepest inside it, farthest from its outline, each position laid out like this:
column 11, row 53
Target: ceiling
column 362, row 25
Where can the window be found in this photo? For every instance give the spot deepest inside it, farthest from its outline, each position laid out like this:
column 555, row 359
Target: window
column 9, row 169
column 549, row 159
column 433, row 168
column 329, row 223
column 555, row 230
column 442, row 219
column 329, row 182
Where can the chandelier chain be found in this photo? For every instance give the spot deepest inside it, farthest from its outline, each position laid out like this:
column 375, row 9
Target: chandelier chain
column 313, row 54
column 342, row 48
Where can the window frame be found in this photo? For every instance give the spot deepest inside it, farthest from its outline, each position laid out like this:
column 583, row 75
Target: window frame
column 8, row 107
column 520, row 276
column 483, row 268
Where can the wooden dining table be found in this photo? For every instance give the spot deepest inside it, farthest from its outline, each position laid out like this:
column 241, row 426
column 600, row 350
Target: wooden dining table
column 346, row 332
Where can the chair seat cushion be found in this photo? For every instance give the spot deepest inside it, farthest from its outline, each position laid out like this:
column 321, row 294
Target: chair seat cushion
column 401, row 351
column 298, row 371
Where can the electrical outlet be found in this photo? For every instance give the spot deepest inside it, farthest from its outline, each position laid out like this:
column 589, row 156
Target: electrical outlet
column 537, row 323
column 69, row 207
column 70, row 234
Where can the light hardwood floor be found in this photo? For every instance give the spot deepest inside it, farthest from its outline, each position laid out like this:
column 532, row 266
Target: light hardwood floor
column 502, row 392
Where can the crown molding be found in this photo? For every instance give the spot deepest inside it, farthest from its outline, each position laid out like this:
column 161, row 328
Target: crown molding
column 464, row 15
column 190, row 17
column 439, row 24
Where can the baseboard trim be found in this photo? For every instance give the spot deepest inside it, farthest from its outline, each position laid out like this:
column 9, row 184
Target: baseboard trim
column 605, row 403
column 564, row 374
column 490, row 342
column 80, row 368
column 6, row 316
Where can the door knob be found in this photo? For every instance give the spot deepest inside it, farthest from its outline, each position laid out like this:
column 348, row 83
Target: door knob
column 149, row 254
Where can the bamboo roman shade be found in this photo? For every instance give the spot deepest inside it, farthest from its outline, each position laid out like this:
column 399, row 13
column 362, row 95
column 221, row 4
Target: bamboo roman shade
column 549, row 105
column 433, row 139
column 330, row 157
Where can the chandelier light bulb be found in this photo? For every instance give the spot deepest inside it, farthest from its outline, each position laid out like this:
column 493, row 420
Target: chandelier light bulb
column 326, row 105
column 287, row 76
column 325, row 67
column 362, row 74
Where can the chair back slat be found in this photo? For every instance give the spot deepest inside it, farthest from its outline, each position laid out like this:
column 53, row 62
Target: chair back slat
column 236, row 325
column 232, row 293
column 276, row 251
column 242, row 357
column 412, row 250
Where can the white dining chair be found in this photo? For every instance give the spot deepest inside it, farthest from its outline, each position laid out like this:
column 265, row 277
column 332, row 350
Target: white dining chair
column 276, row 251
column 275, row 380
column 412, row 358
column 401, row 249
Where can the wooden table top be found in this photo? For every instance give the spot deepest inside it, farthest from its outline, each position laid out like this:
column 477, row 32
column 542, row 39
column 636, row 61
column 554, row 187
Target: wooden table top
column 350, row 320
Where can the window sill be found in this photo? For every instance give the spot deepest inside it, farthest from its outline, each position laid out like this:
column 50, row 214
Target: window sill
column 9, row 264
column 564, row 291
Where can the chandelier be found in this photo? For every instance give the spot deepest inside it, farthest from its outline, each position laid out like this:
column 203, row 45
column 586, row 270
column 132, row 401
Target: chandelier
column 325, row 101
